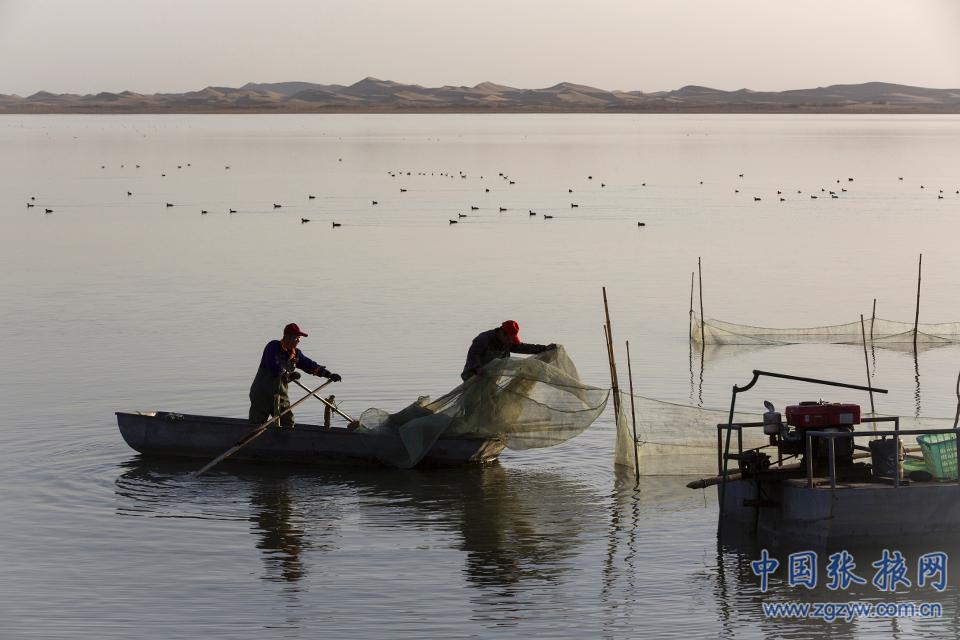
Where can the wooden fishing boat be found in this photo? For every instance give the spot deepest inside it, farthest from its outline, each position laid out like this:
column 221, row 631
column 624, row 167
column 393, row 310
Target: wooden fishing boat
column 161, row 433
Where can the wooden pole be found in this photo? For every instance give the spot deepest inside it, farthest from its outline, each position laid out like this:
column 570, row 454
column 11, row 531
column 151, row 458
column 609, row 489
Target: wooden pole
column 866, row 361
column 328, row 413
column 703, row 335
column 691, row 306
column 873, row 319
column 329, row 405
column 916, row 318
column 256, row 433
column 956, row 418
column 614, row 382
column 633, row 415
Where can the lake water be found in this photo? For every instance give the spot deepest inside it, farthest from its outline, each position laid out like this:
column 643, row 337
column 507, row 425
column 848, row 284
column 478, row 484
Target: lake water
column 118, row 302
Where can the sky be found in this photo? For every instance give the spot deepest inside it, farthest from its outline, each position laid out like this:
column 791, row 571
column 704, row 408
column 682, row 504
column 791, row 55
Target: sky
column 87, row 46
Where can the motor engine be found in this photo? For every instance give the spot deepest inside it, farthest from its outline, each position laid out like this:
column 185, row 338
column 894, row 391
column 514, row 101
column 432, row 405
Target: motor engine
column 790, row 437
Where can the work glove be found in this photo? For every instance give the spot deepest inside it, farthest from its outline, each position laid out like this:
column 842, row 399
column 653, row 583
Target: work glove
column 334, row 377
column 290, row 376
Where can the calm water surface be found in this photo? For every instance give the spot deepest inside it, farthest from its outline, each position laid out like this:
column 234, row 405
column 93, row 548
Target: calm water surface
column 116, row 302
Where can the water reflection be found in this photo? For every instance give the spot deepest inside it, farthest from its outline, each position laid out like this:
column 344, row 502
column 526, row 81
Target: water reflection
column 737, row 591
column 712, row 354
column 514, row 527
column 280, row 530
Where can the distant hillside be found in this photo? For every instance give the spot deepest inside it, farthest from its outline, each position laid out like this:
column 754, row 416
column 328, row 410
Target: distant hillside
column 385, row 96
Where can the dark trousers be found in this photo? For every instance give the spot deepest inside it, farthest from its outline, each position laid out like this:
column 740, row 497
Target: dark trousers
column 262, row 408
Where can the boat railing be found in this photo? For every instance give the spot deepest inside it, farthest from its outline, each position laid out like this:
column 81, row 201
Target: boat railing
column 725, row 430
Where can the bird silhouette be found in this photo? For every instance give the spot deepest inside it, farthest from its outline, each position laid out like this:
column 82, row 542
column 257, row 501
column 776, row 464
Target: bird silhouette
column 311, row 197
column 169, row 204
column 304, row 220
column 233, row 210
column 335, row 224
column 453, row 221
column 203, row 212
column 573, row 206
column 374, row 202
column 48, row 210
column 502, row 209
column 473, row 208
column 641, row 224
column 277, row 206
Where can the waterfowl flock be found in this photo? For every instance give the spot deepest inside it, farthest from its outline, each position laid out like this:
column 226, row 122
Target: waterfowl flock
column 505, row 192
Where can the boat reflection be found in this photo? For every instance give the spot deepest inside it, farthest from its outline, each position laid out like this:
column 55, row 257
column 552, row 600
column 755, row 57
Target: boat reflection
column 513, row 526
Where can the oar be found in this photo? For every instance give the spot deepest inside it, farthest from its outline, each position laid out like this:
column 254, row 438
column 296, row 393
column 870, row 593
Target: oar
column 332, row 406
column 256, row 433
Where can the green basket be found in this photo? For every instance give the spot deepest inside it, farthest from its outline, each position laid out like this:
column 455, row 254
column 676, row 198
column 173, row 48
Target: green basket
column 940, row 454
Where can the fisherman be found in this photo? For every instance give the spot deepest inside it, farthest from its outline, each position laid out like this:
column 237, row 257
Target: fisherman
column 497, row 343
column 268, row 393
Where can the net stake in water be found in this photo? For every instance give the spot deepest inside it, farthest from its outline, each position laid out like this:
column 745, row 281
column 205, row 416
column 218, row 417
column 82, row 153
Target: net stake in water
column 633, row 415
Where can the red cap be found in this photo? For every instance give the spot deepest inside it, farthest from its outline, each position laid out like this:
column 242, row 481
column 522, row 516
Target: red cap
column 293, row 330
column 512, row 329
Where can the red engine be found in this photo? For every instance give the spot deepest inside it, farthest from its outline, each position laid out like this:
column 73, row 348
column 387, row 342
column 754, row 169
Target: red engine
column 814, row 415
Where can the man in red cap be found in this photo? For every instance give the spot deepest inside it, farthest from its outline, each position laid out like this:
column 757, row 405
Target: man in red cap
column 497, row 343
column 281, row 358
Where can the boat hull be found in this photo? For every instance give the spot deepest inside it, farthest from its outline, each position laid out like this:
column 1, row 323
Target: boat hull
column 788, row 512
column 183, row 435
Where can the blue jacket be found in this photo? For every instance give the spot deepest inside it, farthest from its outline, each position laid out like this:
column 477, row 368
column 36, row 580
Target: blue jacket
column 275, row 360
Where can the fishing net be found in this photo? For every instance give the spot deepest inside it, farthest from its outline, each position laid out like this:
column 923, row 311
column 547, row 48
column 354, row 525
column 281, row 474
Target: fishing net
column 675, row 439
column 525, row 403
column 878, row 331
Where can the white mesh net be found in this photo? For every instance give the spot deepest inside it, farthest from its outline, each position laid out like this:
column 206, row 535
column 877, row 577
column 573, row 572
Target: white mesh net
column 526, row 403
column 878, row 331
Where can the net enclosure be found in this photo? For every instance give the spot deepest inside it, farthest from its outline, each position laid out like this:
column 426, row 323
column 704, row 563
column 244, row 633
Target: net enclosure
column 674, row 439
column 526, row 403
column 709, row 331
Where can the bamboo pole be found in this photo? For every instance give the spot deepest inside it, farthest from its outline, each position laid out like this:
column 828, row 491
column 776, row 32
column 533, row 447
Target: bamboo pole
column 873, row 319
column 614, row 382
column 866, row 361
column 633, row 415
column 703, row 335
column 690, row 321
column 916, row 318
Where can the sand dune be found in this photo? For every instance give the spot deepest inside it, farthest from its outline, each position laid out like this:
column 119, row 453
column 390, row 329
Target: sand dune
column 375, row 95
